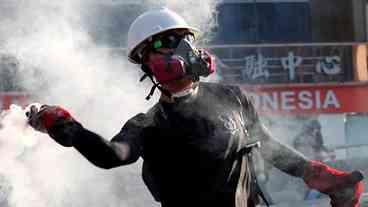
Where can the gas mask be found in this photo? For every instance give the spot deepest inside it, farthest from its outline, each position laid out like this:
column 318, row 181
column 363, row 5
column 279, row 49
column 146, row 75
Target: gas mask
column 183, row 61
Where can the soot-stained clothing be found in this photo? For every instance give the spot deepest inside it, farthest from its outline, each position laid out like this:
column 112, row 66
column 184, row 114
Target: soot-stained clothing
column 192, row 149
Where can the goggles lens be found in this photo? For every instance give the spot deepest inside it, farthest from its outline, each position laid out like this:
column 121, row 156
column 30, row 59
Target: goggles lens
column 170, row 41
column 157, row 44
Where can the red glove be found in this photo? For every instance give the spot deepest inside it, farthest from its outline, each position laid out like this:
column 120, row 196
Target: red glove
column 343, row 188
column 46, row 118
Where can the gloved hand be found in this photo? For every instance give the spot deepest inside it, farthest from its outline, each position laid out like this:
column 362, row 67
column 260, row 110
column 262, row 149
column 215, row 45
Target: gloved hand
column 343, row 188
column 49, row 119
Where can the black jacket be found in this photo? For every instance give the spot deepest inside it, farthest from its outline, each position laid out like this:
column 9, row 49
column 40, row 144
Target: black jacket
column 192, row 149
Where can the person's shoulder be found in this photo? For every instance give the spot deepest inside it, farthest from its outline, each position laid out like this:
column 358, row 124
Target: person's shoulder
column 154, row 110
column 227, row 92
column 230, row 89
column 220, row 87
column 145, row 119
column 216, row 85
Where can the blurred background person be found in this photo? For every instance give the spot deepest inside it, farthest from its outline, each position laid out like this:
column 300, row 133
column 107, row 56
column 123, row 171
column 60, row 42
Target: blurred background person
column 310, row 142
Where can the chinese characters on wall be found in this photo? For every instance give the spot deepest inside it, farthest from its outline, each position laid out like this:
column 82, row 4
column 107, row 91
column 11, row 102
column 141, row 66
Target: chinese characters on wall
column 257, row 66
column 289, row 65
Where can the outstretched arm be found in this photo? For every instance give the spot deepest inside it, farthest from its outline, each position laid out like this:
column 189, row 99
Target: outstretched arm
column 123, row 149
column 276, row 153
column 344, row 188
column 280, row 155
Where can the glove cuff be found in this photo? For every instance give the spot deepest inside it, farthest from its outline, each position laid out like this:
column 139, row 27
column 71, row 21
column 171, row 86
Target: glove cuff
column 344, row 188
column 326, row 179
column 322, row 177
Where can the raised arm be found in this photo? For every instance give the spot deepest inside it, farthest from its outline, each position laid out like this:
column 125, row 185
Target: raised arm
column 124, row 148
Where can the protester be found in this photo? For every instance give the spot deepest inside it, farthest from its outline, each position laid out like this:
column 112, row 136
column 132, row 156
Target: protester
column 197, row 140
column 310, row 142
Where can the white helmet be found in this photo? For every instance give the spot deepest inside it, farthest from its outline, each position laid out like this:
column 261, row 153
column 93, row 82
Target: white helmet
column 152, row 23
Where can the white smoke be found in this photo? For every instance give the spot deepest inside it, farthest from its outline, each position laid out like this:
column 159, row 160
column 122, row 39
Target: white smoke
column 200, row 14
column 75, row 71
column 60, row 64
column 41, row 172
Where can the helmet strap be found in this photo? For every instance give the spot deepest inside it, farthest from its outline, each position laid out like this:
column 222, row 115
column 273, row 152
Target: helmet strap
column 148, row 74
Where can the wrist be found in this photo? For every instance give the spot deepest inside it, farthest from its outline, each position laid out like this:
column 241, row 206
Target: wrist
column 65, row 132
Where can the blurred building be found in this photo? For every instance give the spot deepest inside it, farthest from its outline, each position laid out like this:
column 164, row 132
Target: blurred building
column 297, row 41
column 299, row 57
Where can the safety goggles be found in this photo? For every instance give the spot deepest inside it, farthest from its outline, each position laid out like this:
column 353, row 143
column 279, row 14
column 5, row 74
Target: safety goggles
column 166, row 40
column 170, row 40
